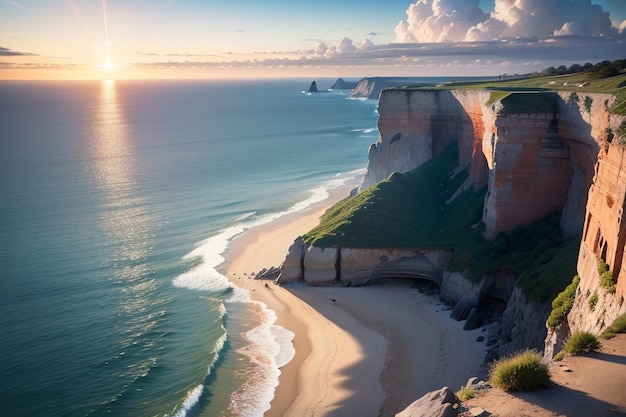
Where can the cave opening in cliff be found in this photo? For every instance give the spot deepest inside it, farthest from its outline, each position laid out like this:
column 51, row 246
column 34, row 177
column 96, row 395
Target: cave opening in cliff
column 422, row 285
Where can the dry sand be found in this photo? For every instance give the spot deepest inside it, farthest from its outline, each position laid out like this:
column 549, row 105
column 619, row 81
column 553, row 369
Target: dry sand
column 371, row 351
column 592, row 385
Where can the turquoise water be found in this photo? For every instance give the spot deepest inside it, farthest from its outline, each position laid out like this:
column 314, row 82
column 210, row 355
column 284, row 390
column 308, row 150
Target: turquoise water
column 117, row 200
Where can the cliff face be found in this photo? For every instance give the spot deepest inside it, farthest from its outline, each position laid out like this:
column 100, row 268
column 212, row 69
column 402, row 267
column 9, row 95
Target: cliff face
column 537, row 153
column 414, row 126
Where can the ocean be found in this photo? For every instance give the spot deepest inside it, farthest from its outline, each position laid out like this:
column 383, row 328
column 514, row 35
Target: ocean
column 117, row 202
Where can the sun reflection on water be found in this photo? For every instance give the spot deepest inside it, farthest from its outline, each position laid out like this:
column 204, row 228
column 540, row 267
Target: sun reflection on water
column 129, row 228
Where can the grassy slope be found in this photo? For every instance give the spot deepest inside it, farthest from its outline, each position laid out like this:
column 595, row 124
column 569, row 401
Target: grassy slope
column 502, row 88
column 406, row 210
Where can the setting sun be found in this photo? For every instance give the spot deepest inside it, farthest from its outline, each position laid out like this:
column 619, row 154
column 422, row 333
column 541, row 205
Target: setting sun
column 108, row 65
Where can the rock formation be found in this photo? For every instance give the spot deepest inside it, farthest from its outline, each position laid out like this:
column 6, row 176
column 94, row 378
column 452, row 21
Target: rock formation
column 536, row 152
column 313, row 87
column 441, row 403
column 342, row 84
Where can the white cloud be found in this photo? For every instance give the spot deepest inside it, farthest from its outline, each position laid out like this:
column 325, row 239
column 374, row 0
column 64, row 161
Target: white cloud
column 345, row 46
column 365, row 45
column 463, row 20
column 320, row 49
column 439, row 20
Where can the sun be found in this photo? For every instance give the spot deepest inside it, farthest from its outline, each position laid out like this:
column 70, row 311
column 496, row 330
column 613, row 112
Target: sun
column 108, row 65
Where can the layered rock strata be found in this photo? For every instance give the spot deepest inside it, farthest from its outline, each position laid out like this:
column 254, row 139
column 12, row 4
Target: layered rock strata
column 537, row 152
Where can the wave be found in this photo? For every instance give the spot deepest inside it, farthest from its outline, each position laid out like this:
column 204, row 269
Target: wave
column 209, row 253
column 270, row 346
column 366, row 131
column 244, row 216
column 193, row 396
column 269, row 349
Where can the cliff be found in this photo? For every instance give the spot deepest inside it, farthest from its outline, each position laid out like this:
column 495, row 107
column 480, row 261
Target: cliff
column 342, row 84
column 371, row 87
column 533, row 154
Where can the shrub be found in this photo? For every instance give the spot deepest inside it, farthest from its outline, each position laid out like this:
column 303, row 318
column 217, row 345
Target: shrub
column 618, row 326
column 606, row 282
column 581, row 342
column 466, row 393
column 521, row 372
column 593, row 301
column 563, row 303
column 606, row 277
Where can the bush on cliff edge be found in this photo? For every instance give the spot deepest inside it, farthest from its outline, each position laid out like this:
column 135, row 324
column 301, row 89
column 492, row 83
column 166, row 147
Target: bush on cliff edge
column 581, row 342
column 563, row 303
column 521, row 372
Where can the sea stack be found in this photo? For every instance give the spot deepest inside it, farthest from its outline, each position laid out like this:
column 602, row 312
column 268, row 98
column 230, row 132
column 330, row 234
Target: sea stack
column 313, row 87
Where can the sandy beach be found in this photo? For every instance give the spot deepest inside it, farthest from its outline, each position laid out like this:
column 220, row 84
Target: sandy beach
column 366, row 351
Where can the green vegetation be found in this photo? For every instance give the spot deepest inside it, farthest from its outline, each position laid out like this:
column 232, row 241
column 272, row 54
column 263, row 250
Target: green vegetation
column 563, row 303
column 581, row 342
column 606, row 277
column 552, row 267
column 604, row 77
column 466, row 393
column 593, row 301
column 521, row 372
column 496, row 96
column 537, row 254
column 531, row 102
column 413, row 210
column 406, row 210
column 618, row 326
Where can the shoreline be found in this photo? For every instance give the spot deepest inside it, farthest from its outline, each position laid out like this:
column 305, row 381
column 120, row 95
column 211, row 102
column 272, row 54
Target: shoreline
column 358, row 350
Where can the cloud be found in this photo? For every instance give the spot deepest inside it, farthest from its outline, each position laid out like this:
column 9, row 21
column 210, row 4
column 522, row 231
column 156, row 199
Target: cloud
column 365, row 45
column 485, row 57
column 8, row 52
column 463, row 20
column 439, row 20
column 345, row 46
column 320, row 49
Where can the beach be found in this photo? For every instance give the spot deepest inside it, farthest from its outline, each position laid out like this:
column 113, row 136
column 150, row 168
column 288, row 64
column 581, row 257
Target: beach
column 367, row 351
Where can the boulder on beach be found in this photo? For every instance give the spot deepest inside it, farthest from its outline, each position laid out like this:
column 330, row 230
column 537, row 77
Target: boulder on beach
column 441, row 403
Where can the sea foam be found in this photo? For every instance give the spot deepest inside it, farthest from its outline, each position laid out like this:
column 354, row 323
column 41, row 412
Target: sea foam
column 269, row 346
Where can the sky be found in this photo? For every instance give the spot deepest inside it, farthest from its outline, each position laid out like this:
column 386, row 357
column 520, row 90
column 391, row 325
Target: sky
column 134, row 39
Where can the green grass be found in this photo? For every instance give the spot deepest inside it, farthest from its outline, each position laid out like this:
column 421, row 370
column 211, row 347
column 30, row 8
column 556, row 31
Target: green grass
column 502, row 88
column 529, row 102
column 466, row 393
column 563, row 303
column 521, row 372
column 618, row 326
column 581, row 342
column 537, row 254
column 593, row 301
column 405, row 211
column 606, row 277
column 551, row 270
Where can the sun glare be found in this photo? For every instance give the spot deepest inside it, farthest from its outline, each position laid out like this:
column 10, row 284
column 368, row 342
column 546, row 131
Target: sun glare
column 108, row 65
